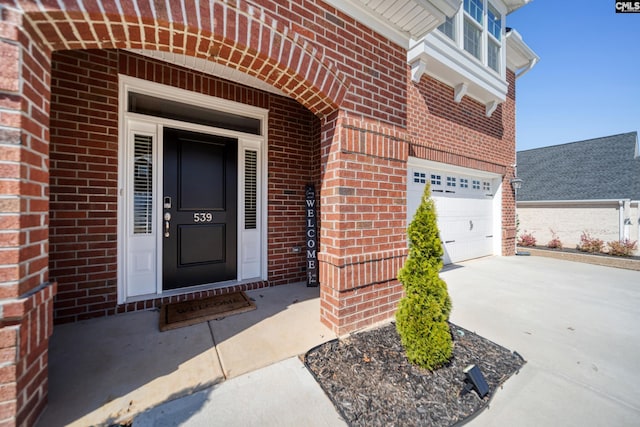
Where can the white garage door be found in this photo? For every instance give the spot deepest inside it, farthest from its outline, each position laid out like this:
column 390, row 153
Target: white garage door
column 464, row 206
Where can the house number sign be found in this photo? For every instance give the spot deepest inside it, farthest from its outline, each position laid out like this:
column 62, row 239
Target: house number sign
column 202, row 217
column 311, row 236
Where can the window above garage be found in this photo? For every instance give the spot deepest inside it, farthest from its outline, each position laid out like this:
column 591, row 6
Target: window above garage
column 469, row 52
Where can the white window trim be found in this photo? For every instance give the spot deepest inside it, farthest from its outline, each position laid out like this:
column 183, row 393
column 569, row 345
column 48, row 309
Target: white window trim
column 484, row 35
column 154, row 125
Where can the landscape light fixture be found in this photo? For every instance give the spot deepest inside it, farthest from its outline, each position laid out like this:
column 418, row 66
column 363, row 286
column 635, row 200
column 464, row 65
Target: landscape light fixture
column 475, row 380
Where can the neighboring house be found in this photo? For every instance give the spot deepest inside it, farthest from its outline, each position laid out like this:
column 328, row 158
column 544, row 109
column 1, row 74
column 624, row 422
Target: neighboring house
column 159, row 151
column 588, row 186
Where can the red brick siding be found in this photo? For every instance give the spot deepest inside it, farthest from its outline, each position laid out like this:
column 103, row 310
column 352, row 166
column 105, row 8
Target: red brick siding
column 24, row 119
column 27, row 324
column 25, row 295
column 364, row 202
column 309, row 50
column 293, row 142
column 37, row 326
column 84, row 175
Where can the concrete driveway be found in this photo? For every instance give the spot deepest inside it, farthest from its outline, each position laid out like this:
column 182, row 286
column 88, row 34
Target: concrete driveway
column 578, row 327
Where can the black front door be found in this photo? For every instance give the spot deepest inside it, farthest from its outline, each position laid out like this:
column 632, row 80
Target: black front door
column 200, row 206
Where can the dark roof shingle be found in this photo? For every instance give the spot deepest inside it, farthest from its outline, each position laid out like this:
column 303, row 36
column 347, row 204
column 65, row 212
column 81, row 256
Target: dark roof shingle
column 595, row 169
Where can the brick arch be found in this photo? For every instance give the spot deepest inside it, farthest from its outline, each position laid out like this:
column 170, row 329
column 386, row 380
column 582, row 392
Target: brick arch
column 241, row 36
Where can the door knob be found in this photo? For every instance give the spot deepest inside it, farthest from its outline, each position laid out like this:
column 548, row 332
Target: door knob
column 167, row 218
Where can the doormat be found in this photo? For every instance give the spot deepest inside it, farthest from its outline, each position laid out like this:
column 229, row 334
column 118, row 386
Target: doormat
column 186, row 313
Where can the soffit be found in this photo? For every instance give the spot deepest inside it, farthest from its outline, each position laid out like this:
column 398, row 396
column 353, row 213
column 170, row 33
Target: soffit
column 399, row 20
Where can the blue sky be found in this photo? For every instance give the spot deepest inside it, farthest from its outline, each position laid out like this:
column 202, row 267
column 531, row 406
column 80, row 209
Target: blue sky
column 587, row 83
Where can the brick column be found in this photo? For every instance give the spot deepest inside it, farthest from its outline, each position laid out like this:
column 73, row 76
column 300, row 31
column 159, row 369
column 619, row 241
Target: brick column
column 509, row 211
column 363, row 221
column 26, row 297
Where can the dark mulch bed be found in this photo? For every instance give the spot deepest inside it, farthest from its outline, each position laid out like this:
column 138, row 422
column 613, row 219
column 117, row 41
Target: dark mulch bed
column 371, row 383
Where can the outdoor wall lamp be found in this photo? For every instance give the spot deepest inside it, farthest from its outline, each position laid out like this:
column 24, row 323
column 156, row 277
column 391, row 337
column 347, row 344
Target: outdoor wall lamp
column 516, row 184
column 475, row 380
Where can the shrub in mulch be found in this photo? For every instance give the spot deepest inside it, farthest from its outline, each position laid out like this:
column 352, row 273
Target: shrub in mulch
column 423, row 312
column 371, row 382
column 624, row 247
column 590, row 244
column 527, row 239
column 555, row 242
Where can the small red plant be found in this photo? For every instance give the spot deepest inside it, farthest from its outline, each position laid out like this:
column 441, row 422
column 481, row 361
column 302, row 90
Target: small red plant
column 555, row 242
column 622, row 247
column 590, row 244
column 527, row 239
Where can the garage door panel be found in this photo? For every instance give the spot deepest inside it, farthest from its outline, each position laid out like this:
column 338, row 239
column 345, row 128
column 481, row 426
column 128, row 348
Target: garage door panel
column 465, row 219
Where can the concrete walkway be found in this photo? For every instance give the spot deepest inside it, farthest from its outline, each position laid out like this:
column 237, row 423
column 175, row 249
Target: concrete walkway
column 281, row 395
column 578, row 326
column 106, row 370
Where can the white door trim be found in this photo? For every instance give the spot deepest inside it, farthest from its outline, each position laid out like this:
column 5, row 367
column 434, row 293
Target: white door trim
column 130, row 122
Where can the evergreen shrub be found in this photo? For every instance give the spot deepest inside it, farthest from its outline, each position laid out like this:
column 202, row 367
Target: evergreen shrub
column 423, row 313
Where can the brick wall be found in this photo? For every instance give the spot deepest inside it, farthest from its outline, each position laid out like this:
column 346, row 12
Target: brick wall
column 24, row 346
column 293, row 161
column 570, row 220
column 460, row 134
column 84, row 150
column 364, row 202
column 83, row 182
column 25, row 294
column 321, row 57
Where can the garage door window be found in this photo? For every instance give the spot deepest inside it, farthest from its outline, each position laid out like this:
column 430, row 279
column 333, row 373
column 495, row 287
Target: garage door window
column 451, row 181
column 420, row 177
column 464, row 183
column 486, row 186
column 436, row 180
column 476, row 184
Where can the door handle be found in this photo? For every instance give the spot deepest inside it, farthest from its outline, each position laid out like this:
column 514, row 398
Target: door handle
column 167, row 218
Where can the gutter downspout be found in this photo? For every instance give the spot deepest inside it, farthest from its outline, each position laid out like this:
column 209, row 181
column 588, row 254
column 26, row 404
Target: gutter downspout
column 528, row 68
column 621, row 220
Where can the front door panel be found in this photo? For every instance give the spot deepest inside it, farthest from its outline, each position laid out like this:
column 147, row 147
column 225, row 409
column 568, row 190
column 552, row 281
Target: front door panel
column 200, row 209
